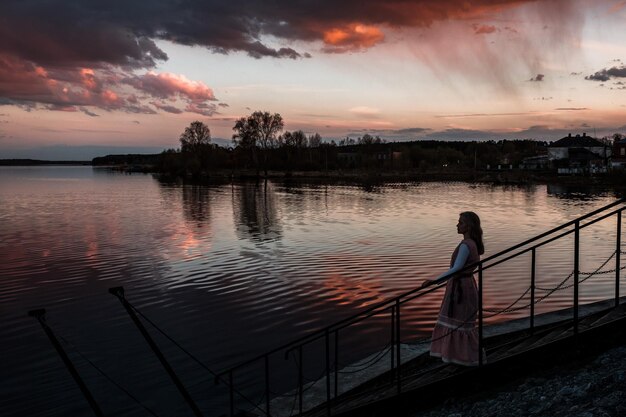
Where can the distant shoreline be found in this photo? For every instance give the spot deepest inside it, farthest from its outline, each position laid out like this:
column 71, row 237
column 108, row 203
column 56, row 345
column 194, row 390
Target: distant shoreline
column 495, row 177
column 35, row 162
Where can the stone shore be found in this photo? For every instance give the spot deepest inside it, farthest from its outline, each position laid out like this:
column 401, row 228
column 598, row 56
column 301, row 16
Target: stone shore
column 594, row 387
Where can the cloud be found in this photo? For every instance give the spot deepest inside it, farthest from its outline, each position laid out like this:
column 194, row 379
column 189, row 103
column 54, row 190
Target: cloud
column 364, row 111
column 483, row 29
column 352, row 38
column 30, row 86
column 572, row 108
column 412, row 130
column 411, row 133
column 536, row 132
column 166, row 107
column 92, row 33
column 117, row 41
column 537, row 78
column 205, row 109
column 168, row 85
column 467, row 115
column 606, row 74
column 88, row 113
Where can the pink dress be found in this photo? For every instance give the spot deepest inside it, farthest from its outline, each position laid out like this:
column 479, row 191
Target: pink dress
column 455, row 337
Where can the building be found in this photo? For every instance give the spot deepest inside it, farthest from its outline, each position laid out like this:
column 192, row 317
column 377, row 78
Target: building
column 579, row 155
column 538, row 162
column 619, row 153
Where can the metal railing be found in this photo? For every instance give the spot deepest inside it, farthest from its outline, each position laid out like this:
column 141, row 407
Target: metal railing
column 393, row 306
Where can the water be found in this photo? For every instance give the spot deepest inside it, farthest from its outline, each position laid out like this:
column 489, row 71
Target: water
column 233, row 270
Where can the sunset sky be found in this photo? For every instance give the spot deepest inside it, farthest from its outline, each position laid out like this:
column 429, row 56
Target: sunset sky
column 82, row 78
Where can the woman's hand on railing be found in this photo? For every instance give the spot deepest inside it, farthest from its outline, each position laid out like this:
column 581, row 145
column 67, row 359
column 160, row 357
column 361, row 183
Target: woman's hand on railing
column 427, row 282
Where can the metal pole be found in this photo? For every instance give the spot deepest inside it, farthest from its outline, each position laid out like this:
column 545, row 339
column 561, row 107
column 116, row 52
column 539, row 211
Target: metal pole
column 393, row 340
column 480, row 315
column 300, row 380
column 336, row 362
column 618, row 252
column 231, row 394
column 40, row 315
column 576, row 272
column 532, row 292
column 267, row 385
column 398, row 359
column 327, row 345
column 119, row 293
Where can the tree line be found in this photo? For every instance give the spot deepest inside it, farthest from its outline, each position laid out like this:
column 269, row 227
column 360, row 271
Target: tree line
column 260, row 145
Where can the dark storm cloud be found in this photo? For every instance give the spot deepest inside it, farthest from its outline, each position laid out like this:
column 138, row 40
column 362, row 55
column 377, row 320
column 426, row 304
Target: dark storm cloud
column 606, row 74
column 89, row 32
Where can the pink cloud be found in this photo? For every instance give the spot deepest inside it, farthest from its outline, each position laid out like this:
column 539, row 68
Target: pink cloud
column 24, row 84
column 168, row 85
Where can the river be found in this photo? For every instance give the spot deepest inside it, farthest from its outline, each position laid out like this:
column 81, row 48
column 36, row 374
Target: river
column 232, row 270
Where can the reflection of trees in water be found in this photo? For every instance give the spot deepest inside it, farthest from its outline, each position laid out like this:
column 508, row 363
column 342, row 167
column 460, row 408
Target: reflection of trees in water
column 196, row 204
column 579, row 192
column 254, row 205
column 193, row 199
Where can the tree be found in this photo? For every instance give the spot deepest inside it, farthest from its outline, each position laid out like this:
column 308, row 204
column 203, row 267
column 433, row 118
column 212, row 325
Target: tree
column 315, row 140
column 259, row 130
column 195, row 137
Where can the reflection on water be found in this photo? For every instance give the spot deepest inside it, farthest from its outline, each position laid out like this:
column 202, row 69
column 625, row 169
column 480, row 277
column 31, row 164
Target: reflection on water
column 232, row 270
column 254, row 205
column 197, row 205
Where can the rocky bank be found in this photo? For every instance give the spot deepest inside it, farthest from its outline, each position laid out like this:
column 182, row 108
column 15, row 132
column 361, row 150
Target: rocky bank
column 595, row 387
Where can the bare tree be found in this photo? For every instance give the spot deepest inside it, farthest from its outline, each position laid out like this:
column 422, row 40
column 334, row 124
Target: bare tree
column 315, row 140
column 259, row 130
column 196, row 136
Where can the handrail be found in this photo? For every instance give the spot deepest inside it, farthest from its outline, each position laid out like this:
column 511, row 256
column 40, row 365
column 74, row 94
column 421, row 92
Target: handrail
column 372, row 310
column 552, row 239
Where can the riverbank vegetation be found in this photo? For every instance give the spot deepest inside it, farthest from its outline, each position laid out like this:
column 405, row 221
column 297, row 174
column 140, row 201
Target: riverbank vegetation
column 261, row 148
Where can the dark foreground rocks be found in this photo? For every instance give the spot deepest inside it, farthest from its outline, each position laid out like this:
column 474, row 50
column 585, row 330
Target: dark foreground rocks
column 593, row 388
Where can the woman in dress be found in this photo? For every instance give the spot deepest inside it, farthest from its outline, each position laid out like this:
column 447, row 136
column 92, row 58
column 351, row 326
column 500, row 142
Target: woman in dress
column 455, row 337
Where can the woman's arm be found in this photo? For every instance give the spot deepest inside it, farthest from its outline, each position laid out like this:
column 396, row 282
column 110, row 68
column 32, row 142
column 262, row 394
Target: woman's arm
column 459, row 262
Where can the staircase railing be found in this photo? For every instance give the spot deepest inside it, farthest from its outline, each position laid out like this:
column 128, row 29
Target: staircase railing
column 393, row 306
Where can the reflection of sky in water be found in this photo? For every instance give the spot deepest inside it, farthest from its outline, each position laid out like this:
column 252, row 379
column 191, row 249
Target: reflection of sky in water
column 233, row 270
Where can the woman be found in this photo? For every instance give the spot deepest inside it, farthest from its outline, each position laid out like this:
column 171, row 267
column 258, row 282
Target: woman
column 455, row 337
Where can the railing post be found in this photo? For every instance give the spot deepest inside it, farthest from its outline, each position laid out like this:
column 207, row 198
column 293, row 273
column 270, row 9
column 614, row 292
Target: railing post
column 40, row 316
column 231, row 394
column 119, row 293
column 336, row 362
column 327, row 343
column 393, row 340
column 618, row 252
column 480, row 314
column 532, row 291
column 300, row 380
column 398, row 359
column 267, row 385
column 576, row 272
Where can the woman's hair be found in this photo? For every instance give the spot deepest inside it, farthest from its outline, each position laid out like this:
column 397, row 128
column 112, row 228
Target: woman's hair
column 475, row 231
